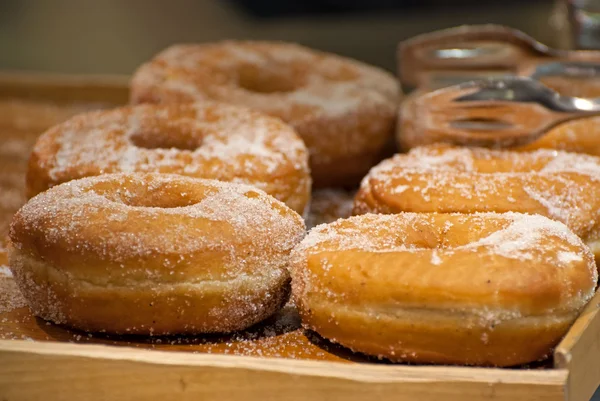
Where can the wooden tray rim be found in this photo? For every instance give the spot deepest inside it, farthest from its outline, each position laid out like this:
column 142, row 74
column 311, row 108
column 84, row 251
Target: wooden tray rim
column 363, row 372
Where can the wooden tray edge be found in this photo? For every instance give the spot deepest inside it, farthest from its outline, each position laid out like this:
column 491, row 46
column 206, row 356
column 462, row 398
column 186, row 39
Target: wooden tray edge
column 579, row 353
column 113, row 89
column 140, row 372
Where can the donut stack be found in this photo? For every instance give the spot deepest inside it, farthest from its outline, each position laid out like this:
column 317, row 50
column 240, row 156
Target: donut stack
column 181, row 214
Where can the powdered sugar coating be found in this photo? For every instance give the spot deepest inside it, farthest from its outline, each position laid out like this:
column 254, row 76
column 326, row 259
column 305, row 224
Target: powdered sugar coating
column 516, row 236
column 332, row 102
column 500, row 242
column 560, row 185
column 249, row 212
column 206, row 140
column 323, row 83
column 187, row 255
column 442, row 158
column 398, row 285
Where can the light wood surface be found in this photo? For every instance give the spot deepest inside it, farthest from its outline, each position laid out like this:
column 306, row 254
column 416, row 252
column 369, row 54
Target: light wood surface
column 88, row 372
column 276, row 360
column 579, row 353
column 65, row 89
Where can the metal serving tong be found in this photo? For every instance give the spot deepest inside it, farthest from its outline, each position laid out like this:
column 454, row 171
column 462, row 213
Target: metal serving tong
column 466, row 53
column 500, row 112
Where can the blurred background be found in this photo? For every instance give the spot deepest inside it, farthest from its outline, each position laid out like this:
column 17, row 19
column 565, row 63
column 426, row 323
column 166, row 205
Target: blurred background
column 114, row 36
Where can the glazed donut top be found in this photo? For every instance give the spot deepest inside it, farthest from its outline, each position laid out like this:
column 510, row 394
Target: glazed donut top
column 438, row 178
column 206, row 140
column 405, row 259
column 156, row 228
column 282, row 79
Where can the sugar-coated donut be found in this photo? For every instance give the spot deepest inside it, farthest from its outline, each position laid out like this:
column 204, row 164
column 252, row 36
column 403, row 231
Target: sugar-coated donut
column 153, row 254
column 204, row 140
column 343, row 109
column 581, row 135
column 439, row 178
column 477, row 289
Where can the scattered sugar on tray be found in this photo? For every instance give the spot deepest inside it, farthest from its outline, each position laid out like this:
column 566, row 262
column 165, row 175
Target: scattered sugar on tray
column 328, row 205
column 10, row 296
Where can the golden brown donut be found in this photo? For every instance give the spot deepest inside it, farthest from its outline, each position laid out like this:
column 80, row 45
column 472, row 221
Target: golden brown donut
column 204, row 140
column 153, row 254
column 343, row 109
column 478, row 289
column 580, row 136
column 439, row 178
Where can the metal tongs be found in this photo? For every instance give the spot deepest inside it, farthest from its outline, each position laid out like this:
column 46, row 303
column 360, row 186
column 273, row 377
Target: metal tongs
column 451, row 56
column 501, row 112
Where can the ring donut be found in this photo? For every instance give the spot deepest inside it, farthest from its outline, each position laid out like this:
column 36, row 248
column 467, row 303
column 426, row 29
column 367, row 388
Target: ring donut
column 203, row 140
column 581, row 135
column 438, row 178
column 153, row 254
column 478, row 289
column 344, row 110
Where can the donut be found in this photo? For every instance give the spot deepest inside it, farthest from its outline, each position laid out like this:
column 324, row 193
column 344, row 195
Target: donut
column 581, row 135
column 343, row 109
column 438, row 178
column 153, row 254
column 475, row 289
column 203, row 140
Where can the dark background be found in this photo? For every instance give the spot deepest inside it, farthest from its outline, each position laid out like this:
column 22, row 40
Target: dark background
column 114, row 36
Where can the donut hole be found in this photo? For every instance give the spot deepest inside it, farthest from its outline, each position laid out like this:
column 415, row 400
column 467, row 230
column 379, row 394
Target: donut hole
column 161, row 139
column 269, row 80
column 159, row 199
column 437, row 233
column 162, row 193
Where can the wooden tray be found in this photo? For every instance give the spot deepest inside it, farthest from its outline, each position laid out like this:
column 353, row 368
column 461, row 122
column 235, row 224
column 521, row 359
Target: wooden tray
column 273, row 361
